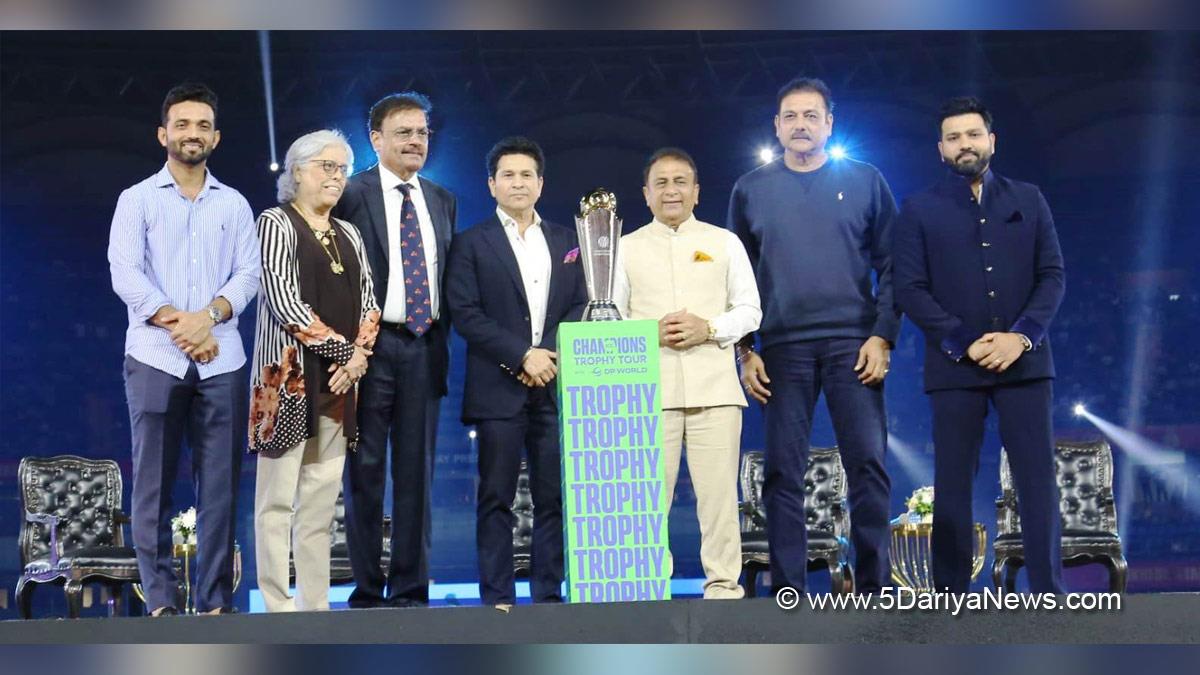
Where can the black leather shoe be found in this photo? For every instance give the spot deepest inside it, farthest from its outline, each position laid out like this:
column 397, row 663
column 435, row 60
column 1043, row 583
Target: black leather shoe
column 365, row 604
column 404, row 603
column 165, row 611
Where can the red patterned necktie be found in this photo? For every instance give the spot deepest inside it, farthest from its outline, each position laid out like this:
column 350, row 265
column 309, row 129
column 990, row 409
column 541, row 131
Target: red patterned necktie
column 418, row 311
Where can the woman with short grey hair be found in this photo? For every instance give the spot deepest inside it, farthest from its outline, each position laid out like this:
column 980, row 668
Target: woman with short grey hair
column 317, row 322
column 304, row 149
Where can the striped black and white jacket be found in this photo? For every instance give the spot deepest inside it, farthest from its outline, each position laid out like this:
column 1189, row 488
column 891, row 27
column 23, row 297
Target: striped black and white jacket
column 286, row 325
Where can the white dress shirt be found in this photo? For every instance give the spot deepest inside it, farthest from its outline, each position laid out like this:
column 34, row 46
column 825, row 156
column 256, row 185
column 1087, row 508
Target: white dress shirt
column 533, row 259
column 393, row 203
column 742, row 309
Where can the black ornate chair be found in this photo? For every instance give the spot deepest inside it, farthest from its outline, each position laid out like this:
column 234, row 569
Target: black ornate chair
column 340, row 571
column 826, row 514
column 522, row 508
column 1089, row 515
column 71, row 531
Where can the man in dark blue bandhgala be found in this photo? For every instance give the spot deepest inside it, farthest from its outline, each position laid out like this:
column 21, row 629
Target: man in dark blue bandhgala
column 979, row 270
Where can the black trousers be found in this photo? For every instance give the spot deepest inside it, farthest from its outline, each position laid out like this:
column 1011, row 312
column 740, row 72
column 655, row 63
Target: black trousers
column 534, row 428
column 1028, row 437
column 397, row 409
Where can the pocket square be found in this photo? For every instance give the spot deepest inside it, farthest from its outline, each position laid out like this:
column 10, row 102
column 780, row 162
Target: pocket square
column 571, row 256
column 701, row 256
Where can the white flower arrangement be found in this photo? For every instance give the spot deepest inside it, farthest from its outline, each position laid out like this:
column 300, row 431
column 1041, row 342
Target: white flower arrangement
column 920, row 505
column 183, row 527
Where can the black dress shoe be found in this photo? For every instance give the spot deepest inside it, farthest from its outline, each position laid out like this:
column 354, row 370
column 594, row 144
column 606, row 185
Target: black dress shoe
column 365, row 604
column 405, row 603
column 165, row 611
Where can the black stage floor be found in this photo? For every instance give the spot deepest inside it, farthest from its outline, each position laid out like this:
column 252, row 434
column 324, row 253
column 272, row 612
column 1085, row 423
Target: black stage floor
column 1148, row 618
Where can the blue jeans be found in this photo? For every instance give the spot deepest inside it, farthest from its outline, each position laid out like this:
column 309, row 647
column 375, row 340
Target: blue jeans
column 799, row 372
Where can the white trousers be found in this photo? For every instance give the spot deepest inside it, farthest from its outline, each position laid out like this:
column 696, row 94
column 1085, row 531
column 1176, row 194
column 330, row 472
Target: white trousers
column 713, row 437
column 294, row 500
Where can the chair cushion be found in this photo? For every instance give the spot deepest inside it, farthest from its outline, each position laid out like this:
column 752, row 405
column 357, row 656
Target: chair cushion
column 756, row 542
column 120, row 560
column 1070, row 538
column 1066, row 534
column 1089, row 534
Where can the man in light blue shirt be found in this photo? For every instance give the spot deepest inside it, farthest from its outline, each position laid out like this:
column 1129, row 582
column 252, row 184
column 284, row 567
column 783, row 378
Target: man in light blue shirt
column 184, row 258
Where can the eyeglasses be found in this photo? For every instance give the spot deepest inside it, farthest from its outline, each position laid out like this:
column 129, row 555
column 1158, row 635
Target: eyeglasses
column 331, row 167
column 408, row 134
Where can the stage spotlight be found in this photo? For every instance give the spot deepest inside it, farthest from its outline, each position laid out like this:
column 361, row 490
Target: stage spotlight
column 766, row 155
column 837, row 152
column 917, row 468
column 1162, row 463
column 1079, row 410
column 264, row 54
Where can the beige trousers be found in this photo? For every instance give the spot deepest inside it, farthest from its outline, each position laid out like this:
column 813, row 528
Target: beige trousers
column 713, row 437
column 294, row 500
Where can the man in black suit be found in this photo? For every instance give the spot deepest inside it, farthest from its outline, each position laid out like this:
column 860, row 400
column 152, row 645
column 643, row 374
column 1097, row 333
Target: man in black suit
column 407, row 223
column 512, row 279
column 979, row 270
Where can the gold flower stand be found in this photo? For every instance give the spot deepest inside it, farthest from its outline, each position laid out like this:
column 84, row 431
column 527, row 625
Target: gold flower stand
column 183, row 554
column 912, row 554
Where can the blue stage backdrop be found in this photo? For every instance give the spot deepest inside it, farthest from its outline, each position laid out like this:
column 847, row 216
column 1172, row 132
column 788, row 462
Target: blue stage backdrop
column 1108, row 124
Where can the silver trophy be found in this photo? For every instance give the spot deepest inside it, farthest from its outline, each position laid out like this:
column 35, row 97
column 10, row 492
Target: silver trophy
column 599, row 230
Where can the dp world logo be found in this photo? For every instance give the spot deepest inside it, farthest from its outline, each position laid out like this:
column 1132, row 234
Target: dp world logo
column 602, row 241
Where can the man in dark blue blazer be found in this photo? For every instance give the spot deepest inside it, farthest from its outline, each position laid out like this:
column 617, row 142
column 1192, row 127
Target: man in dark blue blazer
column 407, row 222
column 512, row 279
column 979, row 270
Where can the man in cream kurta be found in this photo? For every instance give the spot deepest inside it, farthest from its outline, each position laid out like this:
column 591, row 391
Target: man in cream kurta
column 695, row 279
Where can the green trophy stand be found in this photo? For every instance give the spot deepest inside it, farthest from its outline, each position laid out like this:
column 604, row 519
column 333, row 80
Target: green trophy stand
column 614, row 489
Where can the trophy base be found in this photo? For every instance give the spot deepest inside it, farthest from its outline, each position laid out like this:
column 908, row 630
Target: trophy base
column 601, row 311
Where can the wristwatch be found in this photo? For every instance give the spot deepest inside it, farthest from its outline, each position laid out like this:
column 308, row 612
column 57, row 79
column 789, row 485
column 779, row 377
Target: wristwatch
column 214, row 314
column 1025, row 341
column 712, row 330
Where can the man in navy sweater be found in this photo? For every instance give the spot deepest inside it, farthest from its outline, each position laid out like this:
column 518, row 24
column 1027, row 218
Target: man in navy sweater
column 979, row 270
column 815, row 230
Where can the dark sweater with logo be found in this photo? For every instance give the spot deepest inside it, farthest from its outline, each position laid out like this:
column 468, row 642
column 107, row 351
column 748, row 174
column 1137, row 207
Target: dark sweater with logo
column 814, row 239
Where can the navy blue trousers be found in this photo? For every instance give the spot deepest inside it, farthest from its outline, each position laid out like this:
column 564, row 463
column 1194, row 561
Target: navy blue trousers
column 396, row 410
column 1027, row 434
column 799, row 372
column 212, row 416
column 535, row 429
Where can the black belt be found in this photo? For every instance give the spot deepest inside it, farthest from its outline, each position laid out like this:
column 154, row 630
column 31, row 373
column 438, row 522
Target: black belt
column 403, row 328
